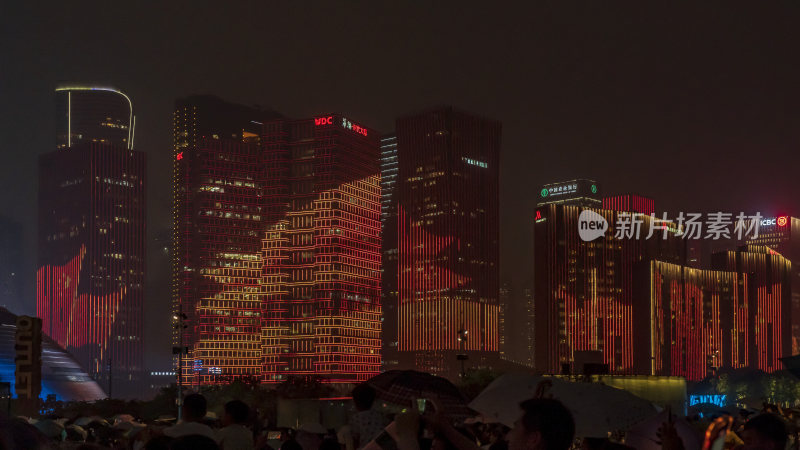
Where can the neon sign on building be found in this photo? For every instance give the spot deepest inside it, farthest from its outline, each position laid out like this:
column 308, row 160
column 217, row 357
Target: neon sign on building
column 779, row 221
column 717, row 400
column 346, row 123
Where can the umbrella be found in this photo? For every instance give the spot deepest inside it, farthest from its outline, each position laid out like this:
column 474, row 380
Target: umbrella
column 76, row 433
column 49, row 428
column 402, row 387
column 643, row 436
column 84, row 421
column 597, row 409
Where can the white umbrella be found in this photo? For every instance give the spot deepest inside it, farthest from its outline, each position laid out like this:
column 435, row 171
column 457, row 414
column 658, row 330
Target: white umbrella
column 598, row 409
column 644, row 435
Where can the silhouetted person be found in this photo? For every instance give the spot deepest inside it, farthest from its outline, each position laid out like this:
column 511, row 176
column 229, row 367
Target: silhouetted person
column 764, row 432
column 17, row 434
column 194, row 411
column 194, row 442
column 546, row 424
column 367, row 423
column 235, row 435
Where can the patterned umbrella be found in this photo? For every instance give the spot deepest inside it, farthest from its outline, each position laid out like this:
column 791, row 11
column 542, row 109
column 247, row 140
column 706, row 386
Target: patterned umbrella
column 403, row 387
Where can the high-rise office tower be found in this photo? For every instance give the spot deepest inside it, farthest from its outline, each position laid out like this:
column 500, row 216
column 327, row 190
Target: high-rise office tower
column 389, row 168
column 689, row 322
column 322, row 250
column 584, row 289
column 692, row 322
column 88, row 113
column 766, row 316
column 782, row 234
column 219, row 221
column 447, row 276
column 91, row 236
column 90, row 281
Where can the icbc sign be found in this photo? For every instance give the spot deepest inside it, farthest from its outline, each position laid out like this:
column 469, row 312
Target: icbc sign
column 779, row 221
column 319, row 121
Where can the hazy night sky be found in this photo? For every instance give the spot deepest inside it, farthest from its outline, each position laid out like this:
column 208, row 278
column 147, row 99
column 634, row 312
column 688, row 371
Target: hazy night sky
column 697, row 107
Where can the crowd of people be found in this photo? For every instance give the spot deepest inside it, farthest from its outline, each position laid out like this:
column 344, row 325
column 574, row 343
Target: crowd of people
column 544, row 423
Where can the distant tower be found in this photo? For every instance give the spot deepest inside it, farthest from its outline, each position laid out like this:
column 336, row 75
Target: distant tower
column 91, row 236
column 389, row 168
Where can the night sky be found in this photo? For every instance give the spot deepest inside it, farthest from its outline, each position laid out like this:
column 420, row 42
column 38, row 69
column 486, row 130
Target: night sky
column 697, row 107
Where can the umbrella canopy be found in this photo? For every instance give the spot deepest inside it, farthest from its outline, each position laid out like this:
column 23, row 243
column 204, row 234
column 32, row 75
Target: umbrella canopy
column 402, row 387
column 49, row 428
column 86, row 421
column 644, row 435
column 597, row 409
column 75, row 432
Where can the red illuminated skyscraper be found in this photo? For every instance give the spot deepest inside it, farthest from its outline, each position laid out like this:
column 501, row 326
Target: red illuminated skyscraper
column 447, row 197
column 690, row 321
column 584, row 295
column 91, row 237
column 766, row 316
column 90, row 281
column 737, row 315
column 219, row 221
column 322, row 250
column 782, row 234
column 277, row 245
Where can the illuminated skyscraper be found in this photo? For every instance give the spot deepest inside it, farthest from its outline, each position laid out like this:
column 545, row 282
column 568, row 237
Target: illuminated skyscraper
column 689, row 321
column 389, row 168
column 696, row 321
column 584, row 289
column 782, row 234
column 90, row 281
column 218, row 226
column 766, row 316
column 447, row 196
column 88, row 113
column 322, row 250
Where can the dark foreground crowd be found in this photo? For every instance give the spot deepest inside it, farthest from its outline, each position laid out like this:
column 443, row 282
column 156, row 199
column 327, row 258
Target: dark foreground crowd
column 544, row 424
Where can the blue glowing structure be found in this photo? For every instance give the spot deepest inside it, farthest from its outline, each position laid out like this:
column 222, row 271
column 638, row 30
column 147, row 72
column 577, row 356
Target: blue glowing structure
column 61, row 374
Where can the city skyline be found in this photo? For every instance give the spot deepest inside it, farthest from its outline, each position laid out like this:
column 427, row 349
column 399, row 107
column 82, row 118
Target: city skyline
column 676, row 135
